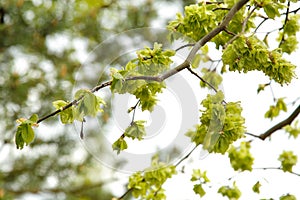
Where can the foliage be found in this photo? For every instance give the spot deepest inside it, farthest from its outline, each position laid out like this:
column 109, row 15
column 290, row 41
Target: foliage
column 293, row 130
column 231, row 192
column 220, row 124
column 25, row 134
column 288, row 197
column 241, row 158
column 136, row 130
column 239, row 56
column 148, row 185
column 274, row 110
column 148, row 62
column 288, row 160
column 256, row 187
column 202, row 178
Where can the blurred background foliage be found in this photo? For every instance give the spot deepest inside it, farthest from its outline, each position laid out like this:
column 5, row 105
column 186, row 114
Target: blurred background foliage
column 40, row 46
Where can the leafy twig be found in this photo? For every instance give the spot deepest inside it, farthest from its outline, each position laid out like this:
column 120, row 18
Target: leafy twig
column 243, row 28
column 278, row 126
column 74, row 102
column 281, row 124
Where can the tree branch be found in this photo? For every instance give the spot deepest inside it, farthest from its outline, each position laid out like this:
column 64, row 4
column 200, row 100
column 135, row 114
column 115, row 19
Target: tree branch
column 74, row 102
column 281, row 124
column 217, row 30
column 170, row 72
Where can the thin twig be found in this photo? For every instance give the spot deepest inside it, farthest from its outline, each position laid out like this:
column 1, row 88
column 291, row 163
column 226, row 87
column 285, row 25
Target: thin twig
column 253, row 135
column 184, row 46
column 285, row 21
column 204, row 81
column 74, row 102
column 134, row 109
column 186, row 156
column 243, row 28
column 277, row 168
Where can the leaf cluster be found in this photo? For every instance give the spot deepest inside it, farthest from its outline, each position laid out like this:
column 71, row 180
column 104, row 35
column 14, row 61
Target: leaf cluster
column 293, row 130
column 136, row 130
column 148, row 185
column 202, row 178
column 241, row 158
column 232, row 193
column 211, row 77
column 149, row 62
column 87, row 104
column 249, row 54
column 274, row 110
column 288, row 159
column 220, row 125
column 25, row 133
column 287, row 37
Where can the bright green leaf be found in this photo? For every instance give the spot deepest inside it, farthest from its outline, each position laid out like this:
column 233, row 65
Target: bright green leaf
column 256, row 187
column 119, row 145
column 198, row 189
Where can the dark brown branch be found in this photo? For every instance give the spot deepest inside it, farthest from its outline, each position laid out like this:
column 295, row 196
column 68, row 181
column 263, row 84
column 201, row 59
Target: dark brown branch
column 281, row 124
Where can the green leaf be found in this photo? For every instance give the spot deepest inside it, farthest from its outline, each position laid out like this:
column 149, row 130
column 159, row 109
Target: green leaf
column 136, row 130
column 199, row 176
column 272, row 10
column 256, row 187
column 34, row 118
column 27, row 133
column 59, row 104
column 148, row 185
column 241, row 158
column 115, row 74
column 119, row 145
column 66, row 116
column 24, row 135
column 261, row 87
column 288, row 197
column 220, row 125
column 249, row 54
column 232, row 193
column 274, row 110
column 198, row 189
column 293, row 130
column 89, row 105
column 19, row 139
column 211, row 77
column 288, row 159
